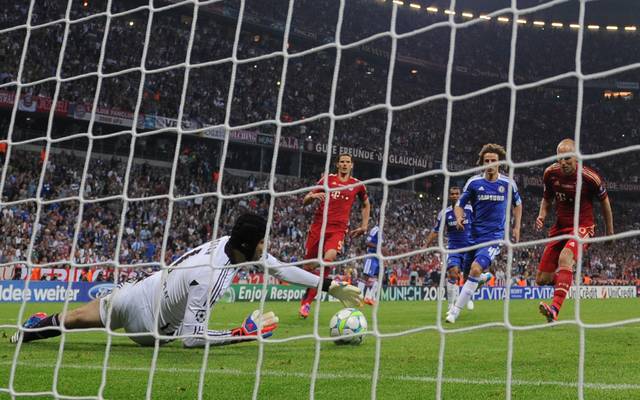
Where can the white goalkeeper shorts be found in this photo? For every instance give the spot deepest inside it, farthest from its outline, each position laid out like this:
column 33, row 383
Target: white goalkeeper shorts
column 130, row 312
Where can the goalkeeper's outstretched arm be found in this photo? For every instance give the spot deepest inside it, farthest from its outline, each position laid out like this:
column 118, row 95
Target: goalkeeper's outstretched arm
column 349, row 295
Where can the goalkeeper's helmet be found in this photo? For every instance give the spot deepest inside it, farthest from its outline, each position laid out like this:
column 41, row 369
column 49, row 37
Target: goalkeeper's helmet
column 248, row 231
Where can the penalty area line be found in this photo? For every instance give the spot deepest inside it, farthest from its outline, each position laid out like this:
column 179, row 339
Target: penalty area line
column 329, row 376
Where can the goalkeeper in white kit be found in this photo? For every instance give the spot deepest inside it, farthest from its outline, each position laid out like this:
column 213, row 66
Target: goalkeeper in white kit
column 186, row 295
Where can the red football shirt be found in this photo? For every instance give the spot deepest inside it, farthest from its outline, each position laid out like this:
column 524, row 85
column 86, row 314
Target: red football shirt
column 562, row 188
column 340, row 203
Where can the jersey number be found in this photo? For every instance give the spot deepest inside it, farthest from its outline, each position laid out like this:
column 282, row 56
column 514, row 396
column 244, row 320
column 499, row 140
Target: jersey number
column 494, row 251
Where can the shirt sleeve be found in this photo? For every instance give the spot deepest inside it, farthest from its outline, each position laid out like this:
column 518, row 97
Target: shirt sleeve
column 596, row 184
column 195, row 315
column 291, row 274
column 200, row 302
column 547, row 191
column 320, row 182
column 362, row 193
column 515, row 195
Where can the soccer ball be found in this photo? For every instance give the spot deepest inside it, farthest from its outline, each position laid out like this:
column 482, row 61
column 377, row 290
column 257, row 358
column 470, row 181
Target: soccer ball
column 348, row 321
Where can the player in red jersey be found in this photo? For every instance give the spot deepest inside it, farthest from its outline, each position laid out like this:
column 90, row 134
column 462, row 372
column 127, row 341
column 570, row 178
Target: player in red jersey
column 559, row 257
column 340, row 203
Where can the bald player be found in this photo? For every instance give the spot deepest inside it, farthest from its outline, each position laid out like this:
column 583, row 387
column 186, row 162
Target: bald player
column 560, row 256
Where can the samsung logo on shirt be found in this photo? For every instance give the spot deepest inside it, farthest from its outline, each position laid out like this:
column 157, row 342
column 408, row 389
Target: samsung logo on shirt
column 491, row 197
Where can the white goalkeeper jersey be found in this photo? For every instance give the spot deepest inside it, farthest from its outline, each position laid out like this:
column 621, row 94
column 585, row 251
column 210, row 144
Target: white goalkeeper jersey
column 196, row 281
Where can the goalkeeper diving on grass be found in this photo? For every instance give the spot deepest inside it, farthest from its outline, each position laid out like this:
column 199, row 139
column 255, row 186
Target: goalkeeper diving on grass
column 186, row 296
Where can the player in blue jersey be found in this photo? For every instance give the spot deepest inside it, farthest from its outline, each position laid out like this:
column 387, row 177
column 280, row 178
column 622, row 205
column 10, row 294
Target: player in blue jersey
column 457, row 263
column 488, row 195
column 369, row 280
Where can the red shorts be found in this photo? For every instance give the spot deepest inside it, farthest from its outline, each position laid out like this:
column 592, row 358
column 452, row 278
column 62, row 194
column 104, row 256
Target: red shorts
column 332, row 241
column 549, row 260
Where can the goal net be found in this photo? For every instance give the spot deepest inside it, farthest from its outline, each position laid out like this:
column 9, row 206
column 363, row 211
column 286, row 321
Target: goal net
column 134, row 131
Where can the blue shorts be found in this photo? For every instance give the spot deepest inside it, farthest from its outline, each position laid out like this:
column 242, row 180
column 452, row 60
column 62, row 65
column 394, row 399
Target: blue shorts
column 460, row 260
column 485, row 255
column 371, row 266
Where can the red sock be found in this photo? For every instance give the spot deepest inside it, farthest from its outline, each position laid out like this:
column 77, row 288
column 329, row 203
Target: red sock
column 311, row 293
column 564, row 279
column 309, row 296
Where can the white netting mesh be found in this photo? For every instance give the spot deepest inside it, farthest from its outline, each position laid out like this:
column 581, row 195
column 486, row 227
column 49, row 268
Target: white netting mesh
column 151, row 69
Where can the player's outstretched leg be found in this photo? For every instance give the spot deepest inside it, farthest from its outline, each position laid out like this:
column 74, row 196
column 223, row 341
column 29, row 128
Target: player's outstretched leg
column 87, row 316
column 37, row 320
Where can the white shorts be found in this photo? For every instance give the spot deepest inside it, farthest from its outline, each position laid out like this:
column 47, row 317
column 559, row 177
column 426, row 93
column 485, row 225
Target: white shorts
column 130, row 312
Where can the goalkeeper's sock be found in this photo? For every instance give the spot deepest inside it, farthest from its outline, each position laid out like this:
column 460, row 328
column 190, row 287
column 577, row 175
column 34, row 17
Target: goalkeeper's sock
column 52, row 320
column 564, row 279
column 467, row 292
column 452, row 292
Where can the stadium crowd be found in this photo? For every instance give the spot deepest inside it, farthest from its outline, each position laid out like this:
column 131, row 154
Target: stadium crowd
column 408, row 217
column 417, row 131
column 544, row 115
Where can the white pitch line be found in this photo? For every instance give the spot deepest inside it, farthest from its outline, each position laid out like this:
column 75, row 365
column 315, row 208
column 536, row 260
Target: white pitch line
column 328, row 376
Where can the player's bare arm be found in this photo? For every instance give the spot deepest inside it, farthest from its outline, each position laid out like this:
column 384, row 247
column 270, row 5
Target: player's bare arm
column 608, row 215
column 366, row 212
column 459, row 211
column 545, row 209
column 430, row 238
column 311, row 196
column 517, row 219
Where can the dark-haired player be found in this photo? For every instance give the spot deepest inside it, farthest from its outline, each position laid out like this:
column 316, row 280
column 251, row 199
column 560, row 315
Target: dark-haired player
column 186, row 295
column 488, row 195
column 340, row 203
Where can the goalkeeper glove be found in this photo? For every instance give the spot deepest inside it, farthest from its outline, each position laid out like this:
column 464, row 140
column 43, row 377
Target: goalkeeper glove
column 249, row 326
column 349, row 295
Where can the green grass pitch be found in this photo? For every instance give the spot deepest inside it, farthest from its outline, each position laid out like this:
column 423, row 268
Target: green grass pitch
column 545, row 361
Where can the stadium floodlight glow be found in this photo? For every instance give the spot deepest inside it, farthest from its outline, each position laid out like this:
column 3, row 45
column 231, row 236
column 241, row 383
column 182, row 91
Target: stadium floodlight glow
column 485, row 17
column 539, row 23
column 557, row 24
column 503, row 19
column 400, row 2
column 612, row 28
column 574, row 26
column 432, row 9
column 593, row 27
column 131, row 23
column 414, row 5
column 467, row 15
column 521, row 21
column 449, row 12
column 630, row 28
